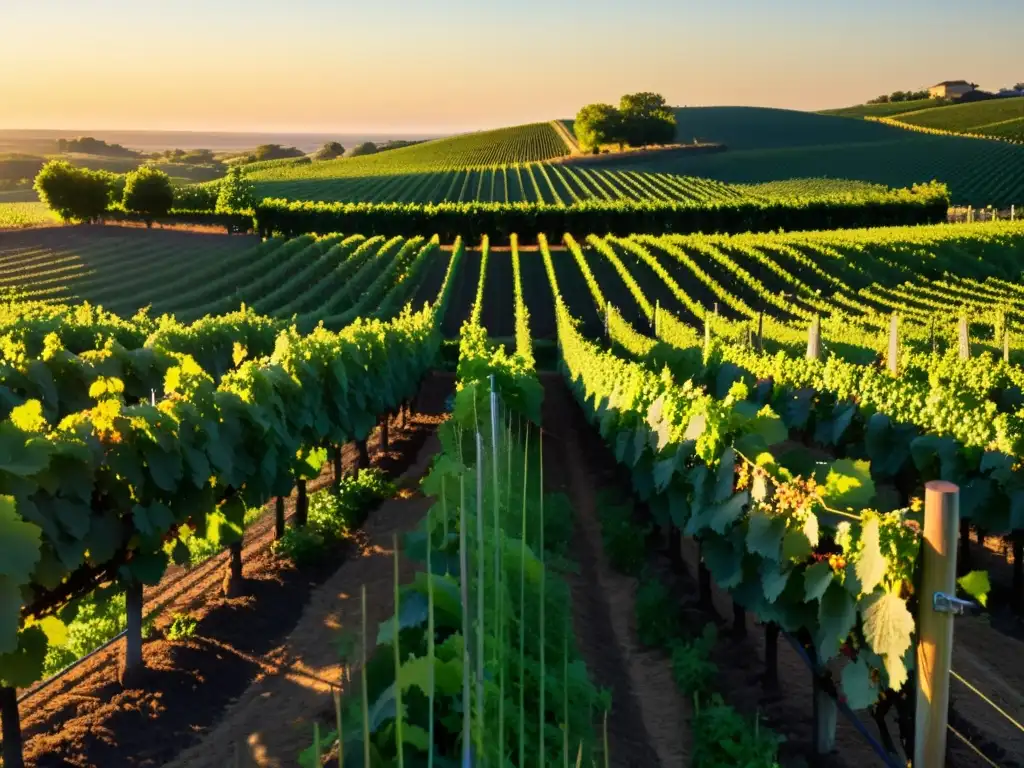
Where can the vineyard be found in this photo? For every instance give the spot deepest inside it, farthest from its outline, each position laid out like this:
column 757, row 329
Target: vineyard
column 773, row 145
column 994, row 118
column 779, row 399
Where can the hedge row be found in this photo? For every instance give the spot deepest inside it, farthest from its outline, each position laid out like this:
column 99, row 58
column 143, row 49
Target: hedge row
column 232, row 222
column 926, row 205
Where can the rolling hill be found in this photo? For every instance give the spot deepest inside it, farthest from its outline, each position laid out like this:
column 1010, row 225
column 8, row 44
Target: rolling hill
column 996, row 118
column 775, row 144
column 880, row 110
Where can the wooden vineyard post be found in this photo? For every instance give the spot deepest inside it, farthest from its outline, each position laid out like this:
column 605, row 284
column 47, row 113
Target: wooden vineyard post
column 301, row 503
column 12, row 752
column 1006, row 345
column 931, row 335
column 133, row 664
column 739, row 620
column 814, row 339
column 716, row 309
column 825, row 711
column 1013, row 213
column 894, row 345
column 935, row 627
column 279, row 517
column 965, row 339
column 607, row 316
column 233, row 577
column 654, row 320
column 336, row 464
column 760, row 331
column 771, row 655
column 385, row 436
column 362, row 456
column 704, row 583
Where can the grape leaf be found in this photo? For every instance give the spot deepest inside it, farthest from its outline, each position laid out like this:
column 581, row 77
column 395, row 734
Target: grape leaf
column 764, row 535
column 976, row 584
column 888, row 625
column 860, row 691
column 20, row 543
column 837, row 613
column 871, row 564
column 816, row 580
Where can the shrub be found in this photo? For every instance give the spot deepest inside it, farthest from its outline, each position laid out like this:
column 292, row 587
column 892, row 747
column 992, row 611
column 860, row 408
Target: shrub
column 624, row 540
column 300, row 545
column 330, row 150
column 366, row 148
column 195, row 197
column 657, row 614
column 148, row 192
column 723, row 738
column 182, row 627
column 71, row 192
column 692, row 667
column 236, row 193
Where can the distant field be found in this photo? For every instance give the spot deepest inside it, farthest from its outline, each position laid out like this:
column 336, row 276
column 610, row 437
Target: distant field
column 774, row 145
column 23, row 214
column 518, row 144
column 531, row 182
column 880, row 110
column 998, row 118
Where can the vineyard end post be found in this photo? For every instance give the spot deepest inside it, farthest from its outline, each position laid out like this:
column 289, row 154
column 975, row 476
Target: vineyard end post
column 935, row 625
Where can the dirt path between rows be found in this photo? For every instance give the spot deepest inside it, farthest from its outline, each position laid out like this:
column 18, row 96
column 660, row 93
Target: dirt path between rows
column 648, row 725
column 272, row 721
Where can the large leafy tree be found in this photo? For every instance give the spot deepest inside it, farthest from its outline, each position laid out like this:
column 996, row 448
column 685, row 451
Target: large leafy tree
column 647, row 119
column 236, row 192
column 330, row 150
column 597, row 124
column 72, row 192
column 148, row 192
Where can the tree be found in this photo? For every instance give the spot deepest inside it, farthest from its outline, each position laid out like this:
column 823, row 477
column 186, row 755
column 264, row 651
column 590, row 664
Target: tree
column 330, row 150
column 236, row 194
column 72, row 192
column 366, row 148
column 597, row 124
column 148, row 192
column 275, row 152
column 647, row 119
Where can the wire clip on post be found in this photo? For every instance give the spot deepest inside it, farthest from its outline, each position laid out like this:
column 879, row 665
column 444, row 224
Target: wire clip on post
column 943, row 603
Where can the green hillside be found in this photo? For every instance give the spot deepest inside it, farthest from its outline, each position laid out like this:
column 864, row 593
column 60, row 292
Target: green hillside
column 888, row 109
column 517, row 144
column 774, row 145
column 998, row 118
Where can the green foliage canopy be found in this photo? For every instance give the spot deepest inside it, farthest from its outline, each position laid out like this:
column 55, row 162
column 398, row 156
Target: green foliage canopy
column 148, row 191
column 73, row 193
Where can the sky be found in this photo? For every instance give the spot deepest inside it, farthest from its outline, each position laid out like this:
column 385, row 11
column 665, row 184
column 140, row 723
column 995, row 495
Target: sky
column 444, row 66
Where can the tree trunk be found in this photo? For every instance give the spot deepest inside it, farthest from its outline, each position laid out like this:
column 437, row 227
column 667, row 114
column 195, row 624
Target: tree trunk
column 301, row 504
column 233, row 573
column 279, row 517
column 133, row 666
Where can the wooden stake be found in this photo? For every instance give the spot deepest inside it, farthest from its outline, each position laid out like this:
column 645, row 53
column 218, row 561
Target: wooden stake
column 279, row 517
column 894, row 345
column 233, row 575
column 12, row 752
column 1006, row 345
column 133, row 663
column 814, row 339
column 385, row 436
column 760, row 331
column 965, row 339
column 935, row 629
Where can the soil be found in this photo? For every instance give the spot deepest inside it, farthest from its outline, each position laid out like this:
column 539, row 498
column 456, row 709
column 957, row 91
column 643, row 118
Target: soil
column 88, row 719
column 647, row 724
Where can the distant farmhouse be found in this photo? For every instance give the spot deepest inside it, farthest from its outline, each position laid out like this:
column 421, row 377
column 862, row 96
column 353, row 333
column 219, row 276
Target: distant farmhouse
column 951, row 89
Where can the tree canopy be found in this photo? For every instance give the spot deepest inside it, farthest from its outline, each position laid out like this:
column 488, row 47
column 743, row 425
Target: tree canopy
column 237, row 193
column 148, row 191
column 366, row 148
column 641, row 119
column 72, row 192
column 330, row 150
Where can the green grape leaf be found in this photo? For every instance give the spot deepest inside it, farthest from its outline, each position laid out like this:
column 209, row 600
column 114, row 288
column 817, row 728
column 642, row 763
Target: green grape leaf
column 21, row 454
column 837, row 613
column 976, row 584
column 10, row 614
column 848, row 484
column 895, row 670
column 860, row 691
column 728, row 512
column 20, row 543
column 773, row 580
column 871, row 563
column 764, row 535
column 799, row 543
column 888, row 625
column 22, row 665
column 817, row 577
